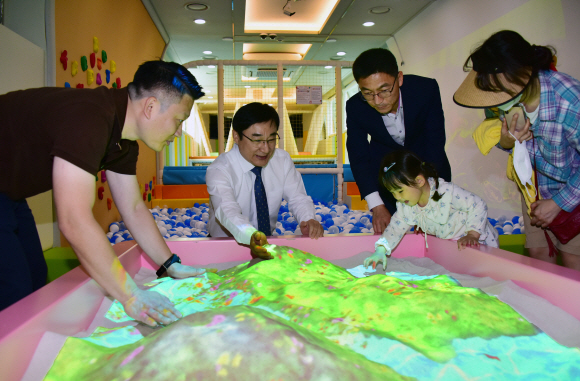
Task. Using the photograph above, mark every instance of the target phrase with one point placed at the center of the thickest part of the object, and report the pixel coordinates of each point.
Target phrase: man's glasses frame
(270, 142)
(383, 94)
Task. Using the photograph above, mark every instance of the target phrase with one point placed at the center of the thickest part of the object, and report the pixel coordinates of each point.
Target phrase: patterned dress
(456, 213)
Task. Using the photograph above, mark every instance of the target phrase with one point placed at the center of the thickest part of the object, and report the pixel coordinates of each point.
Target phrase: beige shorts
(535, 236)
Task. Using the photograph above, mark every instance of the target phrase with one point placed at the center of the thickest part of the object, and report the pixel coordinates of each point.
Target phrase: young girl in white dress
(433, 205)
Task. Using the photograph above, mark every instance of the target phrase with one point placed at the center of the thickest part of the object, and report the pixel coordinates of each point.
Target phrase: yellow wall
(126, 32)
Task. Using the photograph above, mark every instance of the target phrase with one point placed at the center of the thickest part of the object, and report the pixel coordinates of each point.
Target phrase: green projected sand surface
(300, 317)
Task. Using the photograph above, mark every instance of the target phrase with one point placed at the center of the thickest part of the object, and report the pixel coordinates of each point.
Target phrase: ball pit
(335, 219)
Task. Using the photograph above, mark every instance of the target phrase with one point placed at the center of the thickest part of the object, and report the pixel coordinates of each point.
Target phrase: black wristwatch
(173, 259)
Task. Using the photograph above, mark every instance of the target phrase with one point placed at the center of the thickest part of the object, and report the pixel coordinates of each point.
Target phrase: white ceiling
(226, 18)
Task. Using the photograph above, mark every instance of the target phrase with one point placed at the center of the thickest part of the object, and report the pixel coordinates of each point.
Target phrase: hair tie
(389, 167)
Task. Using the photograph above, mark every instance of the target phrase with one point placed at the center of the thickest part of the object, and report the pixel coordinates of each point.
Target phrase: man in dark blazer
(395, 116)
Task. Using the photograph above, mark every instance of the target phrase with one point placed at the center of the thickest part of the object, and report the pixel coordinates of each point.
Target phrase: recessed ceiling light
(379, 10)
(368, 23)
(335, 58)
(331, 40)
(196, 7)
(209, 57)
(270, 104)
(328, 67)
(247, 87)
(209, 97)
(227, 39)
(211, 66)
(199, 21)
(207, 52)
(341, 53)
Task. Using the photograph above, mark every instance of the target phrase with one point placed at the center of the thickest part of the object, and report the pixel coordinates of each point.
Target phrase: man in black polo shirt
(58, 138)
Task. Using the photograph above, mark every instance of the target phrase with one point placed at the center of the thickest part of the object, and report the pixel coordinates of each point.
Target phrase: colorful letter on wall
(108, 75)
(90, 77)
(93, 59)
(64, 59)
(100, 192)
(99, 63)
(74, 68)
(84, 65)
(95, 44)
(80, 86)
(99, 79)
(113, 66)
(118, 80)
(109, 203)
(104, 56)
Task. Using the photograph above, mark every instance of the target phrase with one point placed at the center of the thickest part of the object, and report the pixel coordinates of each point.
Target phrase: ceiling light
(328, 67)
(379, 10)
(341, 53)
(211, 66)
(199, 21)
(209, 97)
(207, 52)
(368, 23)
(247, 86)
(270, 104)
(331, 40)
(227, 39)
(335, 58)
(196, 7)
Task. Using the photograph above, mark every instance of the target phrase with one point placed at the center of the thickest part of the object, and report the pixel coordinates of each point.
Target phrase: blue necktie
(261, 203)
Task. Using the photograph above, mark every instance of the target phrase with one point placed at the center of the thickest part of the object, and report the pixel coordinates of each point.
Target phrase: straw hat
(468, 95)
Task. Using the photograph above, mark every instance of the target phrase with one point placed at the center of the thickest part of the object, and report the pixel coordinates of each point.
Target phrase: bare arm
(136, 215)
(74, 194)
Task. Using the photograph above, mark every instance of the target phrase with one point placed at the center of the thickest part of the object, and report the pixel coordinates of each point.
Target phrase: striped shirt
(557, 139)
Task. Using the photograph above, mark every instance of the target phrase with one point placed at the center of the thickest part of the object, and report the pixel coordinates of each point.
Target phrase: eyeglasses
(270, 142)
(369, 96)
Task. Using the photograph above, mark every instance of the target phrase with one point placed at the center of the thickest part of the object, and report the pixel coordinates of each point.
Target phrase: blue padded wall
(184, 175)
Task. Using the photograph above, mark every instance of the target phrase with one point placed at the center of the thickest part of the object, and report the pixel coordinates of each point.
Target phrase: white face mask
(510, 104)
(522, 164)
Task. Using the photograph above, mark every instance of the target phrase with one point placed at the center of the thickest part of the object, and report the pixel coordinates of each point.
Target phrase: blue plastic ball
(517, 231)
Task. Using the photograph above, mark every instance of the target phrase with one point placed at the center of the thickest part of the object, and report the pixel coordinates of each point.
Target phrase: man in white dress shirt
(246, 185)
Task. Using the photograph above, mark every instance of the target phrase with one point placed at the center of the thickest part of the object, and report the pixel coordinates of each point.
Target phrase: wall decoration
(109, 203)
(74, 68)
(103, 176)
(100, 192)
(114, 85)
(118, 80)
(113, 66)
(99, 82)
(99, 63)
(90, 77)
(84, 65)
(80, 86)
(108, 75)
(104, 56)
(66, 84)
(93, 59)
(95, 44)
(64, 59)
